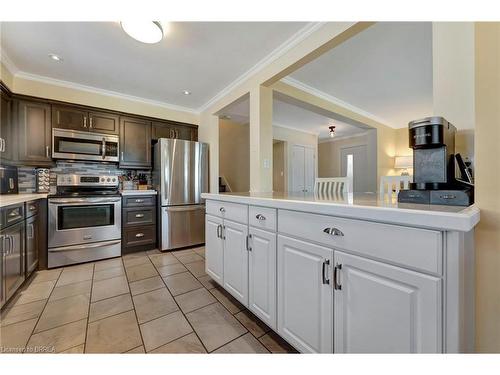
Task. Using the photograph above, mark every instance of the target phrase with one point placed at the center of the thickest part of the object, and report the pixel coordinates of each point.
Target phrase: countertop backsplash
(27, 180)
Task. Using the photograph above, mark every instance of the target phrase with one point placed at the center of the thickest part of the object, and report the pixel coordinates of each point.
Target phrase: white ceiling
(386, 71)
(294, 116)
(202, 57)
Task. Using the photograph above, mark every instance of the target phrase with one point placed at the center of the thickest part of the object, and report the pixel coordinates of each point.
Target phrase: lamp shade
(403, 162)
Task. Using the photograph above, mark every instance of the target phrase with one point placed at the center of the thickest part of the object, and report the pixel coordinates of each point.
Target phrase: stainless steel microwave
(81, 145)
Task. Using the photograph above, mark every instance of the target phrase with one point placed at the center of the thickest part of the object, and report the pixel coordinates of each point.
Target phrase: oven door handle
(84, 246)
(88, 200)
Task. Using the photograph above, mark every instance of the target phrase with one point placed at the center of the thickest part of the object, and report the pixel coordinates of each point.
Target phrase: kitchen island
(347, 274)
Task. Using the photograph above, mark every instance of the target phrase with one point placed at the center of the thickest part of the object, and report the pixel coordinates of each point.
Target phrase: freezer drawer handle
(139, 235)
(260, 217)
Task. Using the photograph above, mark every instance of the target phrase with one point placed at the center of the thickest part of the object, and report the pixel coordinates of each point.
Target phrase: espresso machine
(433, 142)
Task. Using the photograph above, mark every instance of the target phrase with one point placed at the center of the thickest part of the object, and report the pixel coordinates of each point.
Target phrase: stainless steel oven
(80, 145)
(84, 221)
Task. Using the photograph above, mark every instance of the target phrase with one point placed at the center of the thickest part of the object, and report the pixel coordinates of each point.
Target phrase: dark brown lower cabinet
(33, 240)
(138, 223)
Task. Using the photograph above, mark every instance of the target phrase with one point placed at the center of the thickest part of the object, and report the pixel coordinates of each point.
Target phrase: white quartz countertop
(138, 192)
(8, 199)
(364, 206)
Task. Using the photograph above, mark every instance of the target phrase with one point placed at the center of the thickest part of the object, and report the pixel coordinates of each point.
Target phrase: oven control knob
(109, 179)
(114, 179)
(102, 179)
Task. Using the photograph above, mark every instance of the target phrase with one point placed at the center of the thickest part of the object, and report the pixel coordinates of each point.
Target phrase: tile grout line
(88, 312)
(184, 315)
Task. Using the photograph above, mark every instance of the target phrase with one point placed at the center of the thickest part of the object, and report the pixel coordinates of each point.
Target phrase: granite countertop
(365, 206)
(8, 199)
(138, 192)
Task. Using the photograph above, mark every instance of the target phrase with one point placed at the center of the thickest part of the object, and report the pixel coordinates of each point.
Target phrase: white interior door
(236, 260)
(385, 309)
(214, 245)
(309, 169)
(262, 275)
(303, 167)
(361, 175)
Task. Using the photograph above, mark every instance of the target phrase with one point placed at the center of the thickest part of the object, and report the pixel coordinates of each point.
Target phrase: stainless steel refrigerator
(180, 175)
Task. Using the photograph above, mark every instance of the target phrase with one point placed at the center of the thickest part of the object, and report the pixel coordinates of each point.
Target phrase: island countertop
(363, 206)
(8, 199)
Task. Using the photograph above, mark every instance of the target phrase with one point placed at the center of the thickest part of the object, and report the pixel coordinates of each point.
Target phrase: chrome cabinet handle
(249, 248)
(333, 232)
(2, 147)
(85, 122)
(222, 232)
(103, 152)
(47, 151)
(90, 118)
(326, 262)
(139, 235)
(219, 231)
(222, 209)
(32, 208)
(260, 217)
(139, 200)
(139, 215)
(176, 133)
(122, 155)
(336, 277)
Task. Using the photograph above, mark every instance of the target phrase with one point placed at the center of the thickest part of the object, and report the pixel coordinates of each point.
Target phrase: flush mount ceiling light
(144, 31)
(225, 117)
(186, 92)
(55, 57)
(332, 131)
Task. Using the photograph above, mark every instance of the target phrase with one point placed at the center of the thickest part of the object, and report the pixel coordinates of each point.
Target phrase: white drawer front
(262, 217)
(231, 211)
(415, 248)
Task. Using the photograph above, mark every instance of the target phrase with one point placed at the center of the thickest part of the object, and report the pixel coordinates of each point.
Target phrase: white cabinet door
(305, 295)
(214, 248)
(385, 309)
(262, 275)
(236, 260)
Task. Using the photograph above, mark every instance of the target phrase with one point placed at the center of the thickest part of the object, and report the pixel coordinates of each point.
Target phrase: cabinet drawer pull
(139, 215)
(122, 155)
(333, 232)
(222, 209)
(32, 208)
(139, 200)
(326, 262)
(47, 151)
(336, 277)
(139, 235)
(260, 217)
(85, 122)
(90, 118)
(249, 248)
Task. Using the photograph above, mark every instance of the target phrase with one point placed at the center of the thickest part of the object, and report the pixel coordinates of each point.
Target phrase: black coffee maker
(433, 142)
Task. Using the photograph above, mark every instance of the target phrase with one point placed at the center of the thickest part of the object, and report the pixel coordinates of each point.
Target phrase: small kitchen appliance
(433, 142)
(8, 180)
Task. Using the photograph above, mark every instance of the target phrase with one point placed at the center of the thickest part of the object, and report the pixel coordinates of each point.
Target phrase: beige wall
(234, 154)
(279, 159)
(487, 142)
(137, 106)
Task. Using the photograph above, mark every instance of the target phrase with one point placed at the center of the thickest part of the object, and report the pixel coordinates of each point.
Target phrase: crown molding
(291, 42)
(294, 129)
(337, 138)
(96, 90)
(8, 63)
(323, 95)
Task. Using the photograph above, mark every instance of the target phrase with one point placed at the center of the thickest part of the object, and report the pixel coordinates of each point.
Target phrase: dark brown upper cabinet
(33, 133)
(167, 129)
(75, 118)
(6, 130)
(135, 143)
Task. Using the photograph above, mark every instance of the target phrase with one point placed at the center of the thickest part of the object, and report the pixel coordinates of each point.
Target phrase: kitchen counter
(138, 192)
(8, 199)
(364, 206)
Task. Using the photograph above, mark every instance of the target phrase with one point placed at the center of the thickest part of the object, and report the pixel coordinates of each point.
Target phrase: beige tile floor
(148, 302)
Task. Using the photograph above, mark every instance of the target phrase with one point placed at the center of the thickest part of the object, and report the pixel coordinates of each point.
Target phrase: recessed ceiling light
(55, 57)
(144, 31)
(186, 92)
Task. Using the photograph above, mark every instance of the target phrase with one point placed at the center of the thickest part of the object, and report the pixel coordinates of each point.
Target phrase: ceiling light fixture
(144, 31)
(332, 131)
(55, 57)
(186, 92)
